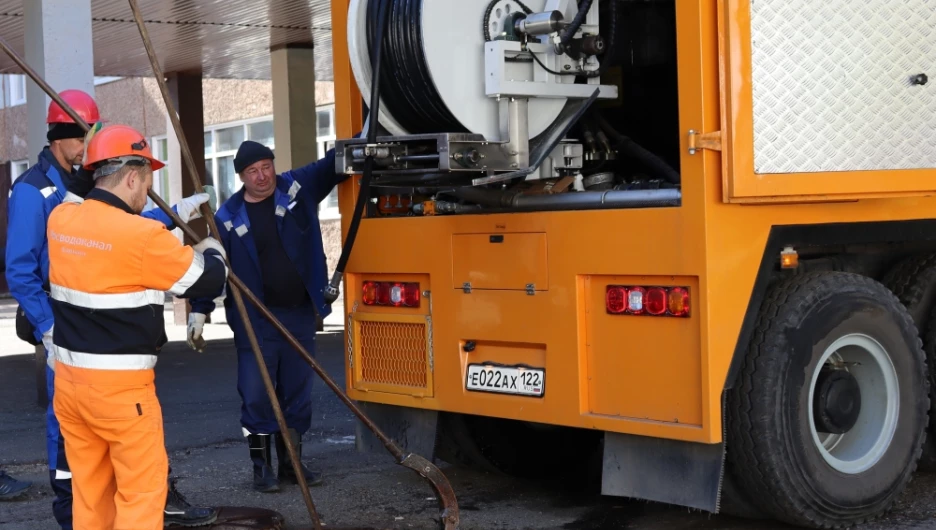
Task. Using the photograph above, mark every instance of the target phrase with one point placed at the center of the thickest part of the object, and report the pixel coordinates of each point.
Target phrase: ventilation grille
(393, 354)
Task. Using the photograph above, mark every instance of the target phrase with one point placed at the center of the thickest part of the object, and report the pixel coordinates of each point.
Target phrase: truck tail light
(394, 294)
(651, 301)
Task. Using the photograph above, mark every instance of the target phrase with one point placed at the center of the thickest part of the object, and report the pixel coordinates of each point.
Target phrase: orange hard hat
(80, 101)
(116, 141)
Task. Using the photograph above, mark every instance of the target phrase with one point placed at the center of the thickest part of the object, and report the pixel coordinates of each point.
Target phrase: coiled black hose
(330, 292)
(407, 88)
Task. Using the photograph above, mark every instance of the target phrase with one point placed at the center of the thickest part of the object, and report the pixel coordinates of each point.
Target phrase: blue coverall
(35, 193)
(297, 196)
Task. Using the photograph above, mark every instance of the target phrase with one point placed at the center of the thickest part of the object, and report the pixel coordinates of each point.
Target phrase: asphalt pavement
(210, 458)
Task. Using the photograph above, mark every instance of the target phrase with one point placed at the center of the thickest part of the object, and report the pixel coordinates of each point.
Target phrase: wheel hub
(837, 401)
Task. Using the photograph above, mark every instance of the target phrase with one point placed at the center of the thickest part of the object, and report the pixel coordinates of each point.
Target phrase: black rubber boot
(261, 455)
(10, 488)
(179, 512)
(286, 472)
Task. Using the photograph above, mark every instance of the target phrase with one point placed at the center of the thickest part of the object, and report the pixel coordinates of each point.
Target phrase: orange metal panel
(718, 243)
(742, 183)
(639, 366)
(500, 261)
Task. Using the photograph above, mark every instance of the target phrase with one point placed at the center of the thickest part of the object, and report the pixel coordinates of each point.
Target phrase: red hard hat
(115, 141)
(83, 104)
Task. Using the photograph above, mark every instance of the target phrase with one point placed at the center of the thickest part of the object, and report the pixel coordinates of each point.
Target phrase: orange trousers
(112, 424)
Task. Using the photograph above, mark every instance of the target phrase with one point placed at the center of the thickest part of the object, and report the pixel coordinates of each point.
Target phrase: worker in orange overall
(109, 269)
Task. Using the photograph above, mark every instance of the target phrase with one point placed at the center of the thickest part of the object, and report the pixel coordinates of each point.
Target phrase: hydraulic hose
(569, 31)
(632, 148)
(331, 290)
(583, 200)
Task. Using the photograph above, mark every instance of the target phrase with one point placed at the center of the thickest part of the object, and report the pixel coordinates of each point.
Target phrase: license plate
(517, 380)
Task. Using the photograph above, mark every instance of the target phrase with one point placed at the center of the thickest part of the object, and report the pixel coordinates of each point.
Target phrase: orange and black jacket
(108, 272)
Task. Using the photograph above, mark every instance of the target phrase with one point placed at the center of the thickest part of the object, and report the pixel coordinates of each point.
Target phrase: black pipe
(628, 146)
(330, 292)
(582, 200)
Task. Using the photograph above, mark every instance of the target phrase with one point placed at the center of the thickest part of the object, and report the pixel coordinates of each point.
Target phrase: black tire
(734, 502)
(778, 463)
(913, 281)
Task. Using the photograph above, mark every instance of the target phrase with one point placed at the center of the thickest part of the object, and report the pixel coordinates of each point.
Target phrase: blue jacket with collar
(297, 196)
(33, 196)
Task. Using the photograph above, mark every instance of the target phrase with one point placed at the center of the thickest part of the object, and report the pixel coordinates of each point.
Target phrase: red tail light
(411, 295)
(616, 299)
(394, 294)
(383, 293)
(652, 301)
(656, 301)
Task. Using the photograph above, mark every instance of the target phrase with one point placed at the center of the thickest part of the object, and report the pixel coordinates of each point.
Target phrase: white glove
(188, 207)
(196, 322)
(210, 242)
(47, 340)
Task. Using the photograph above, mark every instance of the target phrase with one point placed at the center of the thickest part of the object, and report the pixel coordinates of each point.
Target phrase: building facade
(234, 110)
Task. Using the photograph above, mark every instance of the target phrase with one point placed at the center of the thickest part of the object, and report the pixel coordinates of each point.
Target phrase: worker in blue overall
(35, 193)
(270, 231)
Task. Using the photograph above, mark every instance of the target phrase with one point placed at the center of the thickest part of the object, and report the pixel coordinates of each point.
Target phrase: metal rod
(206, 212)
(447, 499)
(43, 85)
(238, 299)
(433, 474)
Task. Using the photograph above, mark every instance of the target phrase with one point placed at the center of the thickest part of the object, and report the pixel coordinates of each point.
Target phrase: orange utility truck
(686, 244)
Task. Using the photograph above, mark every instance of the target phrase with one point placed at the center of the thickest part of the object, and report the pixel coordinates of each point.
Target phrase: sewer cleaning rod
(425, 468)
(206, 212)
(429, 471)
(236, 287)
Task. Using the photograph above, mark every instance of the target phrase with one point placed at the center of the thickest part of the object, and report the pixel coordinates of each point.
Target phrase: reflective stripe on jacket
(33, 197)
(297, 197)
(108, 270)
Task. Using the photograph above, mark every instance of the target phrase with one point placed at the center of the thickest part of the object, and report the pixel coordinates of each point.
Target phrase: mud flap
(414, 430)
(668, 471)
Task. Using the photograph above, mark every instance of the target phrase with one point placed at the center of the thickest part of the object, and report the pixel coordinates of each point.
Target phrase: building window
(17, 84)
(325, 123)
(160, 147)
(18, 167)
(222, 141)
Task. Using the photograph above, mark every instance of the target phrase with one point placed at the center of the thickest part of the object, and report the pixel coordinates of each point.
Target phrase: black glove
(81, 182)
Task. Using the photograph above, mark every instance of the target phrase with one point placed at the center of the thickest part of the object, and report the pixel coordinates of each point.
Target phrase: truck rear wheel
(913, 281)
(828, 418)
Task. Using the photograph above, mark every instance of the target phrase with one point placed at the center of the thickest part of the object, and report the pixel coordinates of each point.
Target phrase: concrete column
(185, 89)
(294, 125)
(59, 47)
(294, 119)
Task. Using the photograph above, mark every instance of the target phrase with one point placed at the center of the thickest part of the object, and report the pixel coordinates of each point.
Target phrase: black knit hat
(251, 152)
(61, 131)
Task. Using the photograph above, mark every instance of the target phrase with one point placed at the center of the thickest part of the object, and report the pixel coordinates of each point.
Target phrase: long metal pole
(428, 470)
(206, 212)
(236, 290)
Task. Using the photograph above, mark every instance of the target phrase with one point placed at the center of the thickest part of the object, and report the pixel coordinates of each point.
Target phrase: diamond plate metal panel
(831, 85)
